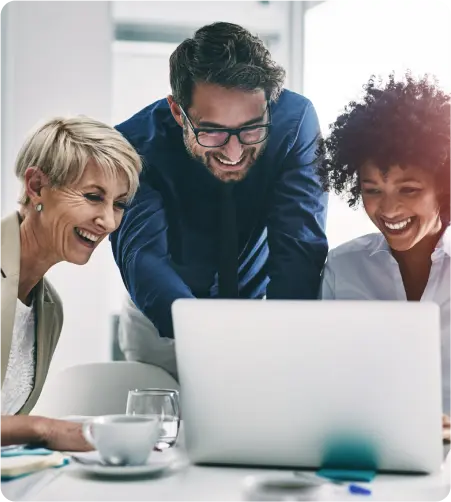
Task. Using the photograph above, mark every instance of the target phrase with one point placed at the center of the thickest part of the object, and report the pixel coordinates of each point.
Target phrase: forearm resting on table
(41, 431)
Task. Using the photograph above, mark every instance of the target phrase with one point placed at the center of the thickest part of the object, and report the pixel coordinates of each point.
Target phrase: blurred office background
(110, 59)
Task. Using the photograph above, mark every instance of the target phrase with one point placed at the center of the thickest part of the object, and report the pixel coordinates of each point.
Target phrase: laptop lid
(303, 383)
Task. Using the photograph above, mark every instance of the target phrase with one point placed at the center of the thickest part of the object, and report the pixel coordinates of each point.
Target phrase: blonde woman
(78, 174)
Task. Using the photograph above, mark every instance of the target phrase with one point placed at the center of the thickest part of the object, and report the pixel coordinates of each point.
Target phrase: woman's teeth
(87, 235)
(398, 226)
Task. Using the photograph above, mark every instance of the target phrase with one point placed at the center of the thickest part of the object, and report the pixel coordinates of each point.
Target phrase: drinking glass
(163, 403)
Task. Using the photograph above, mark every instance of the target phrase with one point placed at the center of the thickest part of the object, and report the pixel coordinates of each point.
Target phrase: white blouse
(365, 269)
(19, 377)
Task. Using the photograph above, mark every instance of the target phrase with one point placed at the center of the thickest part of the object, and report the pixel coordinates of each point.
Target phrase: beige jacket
(48, 310)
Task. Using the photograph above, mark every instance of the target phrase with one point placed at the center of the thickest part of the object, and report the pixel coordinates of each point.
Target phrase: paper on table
(22, 465)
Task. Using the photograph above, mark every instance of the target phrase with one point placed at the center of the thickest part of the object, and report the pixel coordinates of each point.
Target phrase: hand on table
(64, 435)
(50, 433)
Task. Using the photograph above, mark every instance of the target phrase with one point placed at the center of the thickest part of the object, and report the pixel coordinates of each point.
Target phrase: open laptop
(311, 383)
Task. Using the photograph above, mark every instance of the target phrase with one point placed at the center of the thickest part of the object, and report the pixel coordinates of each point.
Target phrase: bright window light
(348, 41)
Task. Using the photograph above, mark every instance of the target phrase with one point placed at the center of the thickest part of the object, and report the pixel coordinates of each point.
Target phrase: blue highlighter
(359, 490)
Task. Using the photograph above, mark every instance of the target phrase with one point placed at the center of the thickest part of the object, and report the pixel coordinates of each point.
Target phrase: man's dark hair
(227, 55)
(402, 123)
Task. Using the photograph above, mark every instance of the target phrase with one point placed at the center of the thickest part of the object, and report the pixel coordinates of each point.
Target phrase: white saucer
(91, 463)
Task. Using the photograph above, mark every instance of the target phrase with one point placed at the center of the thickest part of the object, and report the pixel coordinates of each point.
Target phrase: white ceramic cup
(123, 439)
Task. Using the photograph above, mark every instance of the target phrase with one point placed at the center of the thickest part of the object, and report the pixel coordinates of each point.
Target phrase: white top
(365, 269)
(19, 377)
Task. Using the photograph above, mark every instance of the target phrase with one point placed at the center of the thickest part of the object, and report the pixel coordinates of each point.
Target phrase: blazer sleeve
(297, 217)
(140, 248)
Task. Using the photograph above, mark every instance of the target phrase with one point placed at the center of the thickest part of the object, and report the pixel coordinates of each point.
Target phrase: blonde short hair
(62, 147)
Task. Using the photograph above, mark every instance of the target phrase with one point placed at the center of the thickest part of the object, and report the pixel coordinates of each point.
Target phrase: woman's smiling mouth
(87, 238)
(398, 227)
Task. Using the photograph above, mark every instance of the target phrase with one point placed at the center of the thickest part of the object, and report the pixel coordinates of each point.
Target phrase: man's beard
(224, 176)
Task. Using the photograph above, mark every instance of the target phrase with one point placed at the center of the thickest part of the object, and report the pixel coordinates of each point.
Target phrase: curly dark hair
(404, 122)
(225, 54)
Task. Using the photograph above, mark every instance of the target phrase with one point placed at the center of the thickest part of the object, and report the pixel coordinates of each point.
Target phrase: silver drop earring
(39, 207)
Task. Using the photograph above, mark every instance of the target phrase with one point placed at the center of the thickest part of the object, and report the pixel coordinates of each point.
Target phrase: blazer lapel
(10, 268)
(44, 315)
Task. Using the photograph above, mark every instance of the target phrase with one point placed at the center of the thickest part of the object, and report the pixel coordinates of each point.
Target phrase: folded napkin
(20, 462)
(21, 450)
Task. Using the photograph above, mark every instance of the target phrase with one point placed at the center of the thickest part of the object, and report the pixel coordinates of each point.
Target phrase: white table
(198, 483)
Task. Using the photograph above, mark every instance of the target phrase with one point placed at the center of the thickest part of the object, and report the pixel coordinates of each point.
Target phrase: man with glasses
(229, 205)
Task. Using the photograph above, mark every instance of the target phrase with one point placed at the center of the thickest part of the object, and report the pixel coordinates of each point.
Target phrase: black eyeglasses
(213, 138)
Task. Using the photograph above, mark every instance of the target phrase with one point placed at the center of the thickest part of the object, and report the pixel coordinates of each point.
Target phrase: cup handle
(87, 433)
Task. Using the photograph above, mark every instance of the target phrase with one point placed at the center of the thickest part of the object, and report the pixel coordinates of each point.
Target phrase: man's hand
(446, 428)
(50, 433)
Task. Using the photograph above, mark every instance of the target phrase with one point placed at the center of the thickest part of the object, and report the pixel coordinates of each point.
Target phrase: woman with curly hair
(392, 151)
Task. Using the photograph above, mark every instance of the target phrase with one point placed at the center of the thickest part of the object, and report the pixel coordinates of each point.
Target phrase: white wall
(140, 76)
(260, 18)
(3, 54)
(179, 20)
(57, 60)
